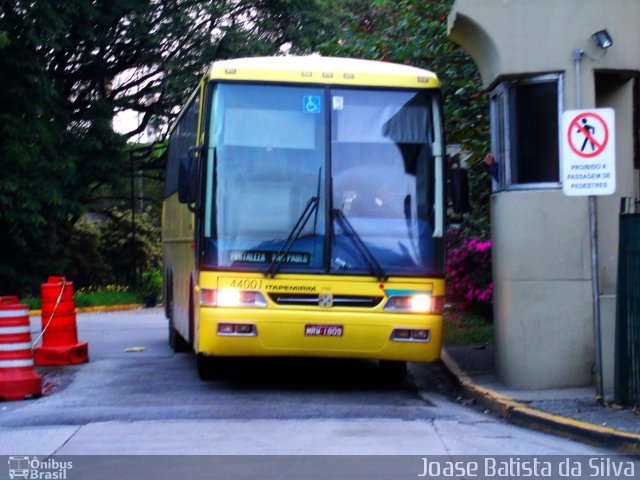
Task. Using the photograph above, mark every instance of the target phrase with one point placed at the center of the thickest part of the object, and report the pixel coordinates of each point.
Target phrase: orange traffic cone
(60, 344)
(18, 379)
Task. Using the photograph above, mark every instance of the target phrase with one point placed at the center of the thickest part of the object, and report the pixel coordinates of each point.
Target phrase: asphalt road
(136, 397)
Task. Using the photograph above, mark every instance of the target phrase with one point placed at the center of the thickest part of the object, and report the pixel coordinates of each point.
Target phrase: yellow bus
(304, 211)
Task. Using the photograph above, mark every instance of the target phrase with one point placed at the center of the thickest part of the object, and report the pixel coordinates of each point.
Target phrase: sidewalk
(570, 412)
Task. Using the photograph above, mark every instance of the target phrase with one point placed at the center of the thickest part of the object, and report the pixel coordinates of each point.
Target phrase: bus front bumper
(318, 334)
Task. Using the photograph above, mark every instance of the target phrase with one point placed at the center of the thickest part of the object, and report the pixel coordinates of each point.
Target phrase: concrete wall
(542, 270)
(526, 36)
(542, 316)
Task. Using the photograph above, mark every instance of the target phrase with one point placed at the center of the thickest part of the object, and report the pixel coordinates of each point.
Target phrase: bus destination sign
(265, 256)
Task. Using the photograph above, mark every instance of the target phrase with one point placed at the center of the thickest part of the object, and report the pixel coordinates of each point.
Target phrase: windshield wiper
(374, 265)
(303, 219)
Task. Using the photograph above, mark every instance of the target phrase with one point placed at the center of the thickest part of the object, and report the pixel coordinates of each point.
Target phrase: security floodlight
(602, 39)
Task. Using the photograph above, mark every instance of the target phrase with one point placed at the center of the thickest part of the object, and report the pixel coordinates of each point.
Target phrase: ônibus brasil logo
(36, 469)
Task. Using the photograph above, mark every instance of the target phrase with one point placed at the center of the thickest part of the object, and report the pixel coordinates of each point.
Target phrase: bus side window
(187, 178)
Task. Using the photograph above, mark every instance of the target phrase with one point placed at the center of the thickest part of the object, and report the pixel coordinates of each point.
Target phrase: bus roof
(322, 70)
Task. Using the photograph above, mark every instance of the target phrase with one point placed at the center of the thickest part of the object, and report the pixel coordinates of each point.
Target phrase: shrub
(130, 248)
(150, 286)
(108, 249)
(94, 297)
(469, 281)
(86, 263)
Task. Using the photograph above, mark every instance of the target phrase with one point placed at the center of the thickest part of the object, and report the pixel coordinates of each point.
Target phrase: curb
(518, 413)
(103, 308)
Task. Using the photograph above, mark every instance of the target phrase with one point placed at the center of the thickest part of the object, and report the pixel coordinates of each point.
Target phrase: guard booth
(538, 60)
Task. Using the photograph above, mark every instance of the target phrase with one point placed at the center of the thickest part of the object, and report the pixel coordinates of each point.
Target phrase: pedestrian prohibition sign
(588, 152)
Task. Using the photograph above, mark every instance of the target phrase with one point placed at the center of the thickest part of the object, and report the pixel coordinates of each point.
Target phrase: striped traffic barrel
(18, 379)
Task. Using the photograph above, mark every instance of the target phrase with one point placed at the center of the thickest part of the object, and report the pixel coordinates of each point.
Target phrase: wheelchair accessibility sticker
(311, 103)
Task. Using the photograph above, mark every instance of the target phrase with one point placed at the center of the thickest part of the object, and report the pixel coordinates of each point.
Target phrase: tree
(67, 67)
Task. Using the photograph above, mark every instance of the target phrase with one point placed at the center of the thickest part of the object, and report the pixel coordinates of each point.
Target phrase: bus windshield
(363, 158)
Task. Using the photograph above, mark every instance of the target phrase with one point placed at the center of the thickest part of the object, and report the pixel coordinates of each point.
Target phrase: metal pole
(140, 191)
(595, 277)
(595, 286)
(134, 268)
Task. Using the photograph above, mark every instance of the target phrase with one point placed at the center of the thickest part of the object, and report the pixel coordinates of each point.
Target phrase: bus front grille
(352, 301)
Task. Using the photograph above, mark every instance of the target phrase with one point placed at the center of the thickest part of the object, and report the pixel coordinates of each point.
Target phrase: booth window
(525, 132)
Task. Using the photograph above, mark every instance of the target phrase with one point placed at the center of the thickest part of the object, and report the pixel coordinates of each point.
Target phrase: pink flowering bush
(469, 282)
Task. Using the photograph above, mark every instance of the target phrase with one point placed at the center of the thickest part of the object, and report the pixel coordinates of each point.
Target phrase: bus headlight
(418, 303)
(231, 297)
(421, 303)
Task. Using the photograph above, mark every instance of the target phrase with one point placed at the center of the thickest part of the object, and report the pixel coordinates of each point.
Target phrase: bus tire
(209, 368)
(392, 371)
(176, 342)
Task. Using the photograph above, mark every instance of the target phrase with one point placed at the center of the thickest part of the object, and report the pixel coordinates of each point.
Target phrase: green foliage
(150, 284)
(108, 250)
(34, 303)
(106, 298)
(106, 295)
(87, 263)
(130, 247)
(95, 297)
(464, 328)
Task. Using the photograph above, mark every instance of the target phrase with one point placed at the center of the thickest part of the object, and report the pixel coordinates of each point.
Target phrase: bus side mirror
(187, 178)
(460, 190)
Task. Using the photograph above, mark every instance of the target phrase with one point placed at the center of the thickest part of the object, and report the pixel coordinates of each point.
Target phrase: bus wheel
(176, 342)
(209, 368)
(392, 371)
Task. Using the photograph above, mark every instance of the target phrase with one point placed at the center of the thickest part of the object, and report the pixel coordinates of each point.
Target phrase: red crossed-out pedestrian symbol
(588, 135)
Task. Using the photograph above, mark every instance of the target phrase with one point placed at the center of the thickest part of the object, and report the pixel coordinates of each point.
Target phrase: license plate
(323, 330)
